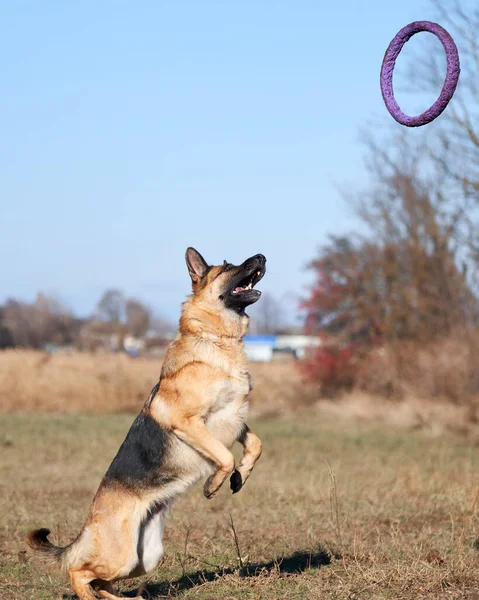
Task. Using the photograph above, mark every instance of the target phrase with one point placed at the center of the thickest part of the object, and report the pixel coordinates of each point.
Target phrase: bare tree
(409, 213)
(138, 317)
(267, 315)
(15, 319)
(161, 326)
(111, 307)
(452, 150)
(6, 337)
(33, 325)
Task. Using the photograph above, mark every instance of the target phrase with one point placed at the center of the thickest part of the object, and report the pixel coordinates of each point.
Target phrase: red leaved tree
(344, 309)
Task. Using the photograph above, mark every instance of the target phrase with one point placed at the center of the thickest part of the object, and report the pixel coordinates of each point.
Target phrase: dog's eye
(226, 267)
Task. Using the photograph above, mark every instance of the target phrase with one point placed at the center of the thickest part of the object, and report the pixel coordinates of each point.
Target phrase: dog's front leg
(196, 435)
(252, 451)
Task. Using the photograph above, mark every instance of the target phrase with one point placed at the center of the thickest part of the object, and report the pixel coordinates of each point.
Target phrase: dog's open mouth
(247, 283)
(240, 291)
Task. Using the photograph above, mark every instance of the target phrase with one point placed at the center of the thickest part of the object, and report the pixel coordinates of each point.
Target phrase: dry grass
(32, 381)
(410, 413)
(330, 512)
(445, 370)
(107, 383)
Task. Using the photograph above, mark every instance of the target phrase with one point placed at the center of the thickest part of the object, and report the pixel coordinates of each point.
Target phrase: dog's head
(226, 286)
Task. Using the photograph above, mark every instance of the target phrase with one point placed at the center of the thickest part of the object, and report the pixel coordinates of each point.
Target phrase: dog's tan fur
(201, 404)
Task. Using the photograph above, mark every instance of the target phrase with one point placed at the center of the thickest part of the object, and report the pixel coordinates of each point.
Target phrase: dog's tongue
(239, 289)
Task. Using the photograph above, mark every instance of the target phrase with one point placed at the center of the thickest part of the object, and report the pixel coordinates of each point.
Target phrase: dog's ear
(197, 265)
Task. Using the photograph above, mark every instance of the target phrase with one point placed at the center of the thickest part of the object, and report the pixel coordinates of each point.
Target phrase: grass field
(398, 517)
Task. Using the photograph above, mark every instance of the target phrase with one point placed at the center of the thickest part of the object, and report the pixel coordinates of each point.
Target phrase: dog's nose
(251, 263)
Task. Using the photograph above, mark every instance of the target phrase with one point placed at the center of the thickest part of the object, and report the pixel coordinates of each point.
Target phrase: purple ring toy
(450, 83)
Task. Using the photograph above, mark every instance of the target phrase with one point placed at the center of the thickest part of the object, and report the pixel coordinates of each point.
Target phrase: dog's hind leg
(107, 591)
(80, 582)
(252, 451)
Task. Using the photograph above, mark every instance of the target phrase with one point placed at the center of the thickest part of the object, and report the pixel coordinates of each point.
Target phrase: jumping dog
(184, 432)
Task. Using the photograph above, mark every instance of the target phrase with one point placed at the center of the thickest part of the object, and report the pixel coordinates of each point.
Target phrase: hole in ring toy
(387, 69)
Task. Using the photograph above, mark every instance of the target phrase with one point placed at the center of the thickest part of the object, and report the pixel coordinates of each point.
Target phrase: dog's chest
(231, 389)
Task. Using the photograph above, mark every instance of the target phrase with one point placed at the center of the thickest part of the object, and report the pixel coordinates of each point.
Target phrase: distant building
(259, 347)
(133, 345)
(296, 344)
(265, 348)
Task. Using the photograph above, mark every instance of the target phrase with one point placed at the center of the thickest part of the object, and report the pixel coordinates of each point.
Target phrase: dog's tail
(40, 544)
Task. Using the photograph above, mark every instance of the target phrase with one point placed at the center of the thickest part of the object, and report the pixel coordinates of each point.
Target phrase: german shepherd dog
(193, 415)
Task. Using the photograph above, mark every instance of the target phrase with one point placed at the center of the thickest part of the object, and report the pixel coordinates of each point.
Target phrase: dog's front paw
(236, 481)
(208, 490)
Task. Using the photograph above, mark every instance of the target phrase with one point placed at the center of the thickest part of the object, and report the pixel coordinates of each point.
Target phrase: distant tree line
(48, 321)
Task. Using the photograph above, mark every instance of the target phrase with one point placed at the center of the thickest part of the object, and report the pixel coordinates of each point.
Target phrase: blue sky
(131, 130)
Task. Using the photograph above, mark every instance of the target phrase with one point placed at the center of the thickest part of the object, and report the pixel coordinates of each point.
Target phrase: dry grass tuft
(32, 381)
(77, 382)
(445, 370)
(411, 413)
